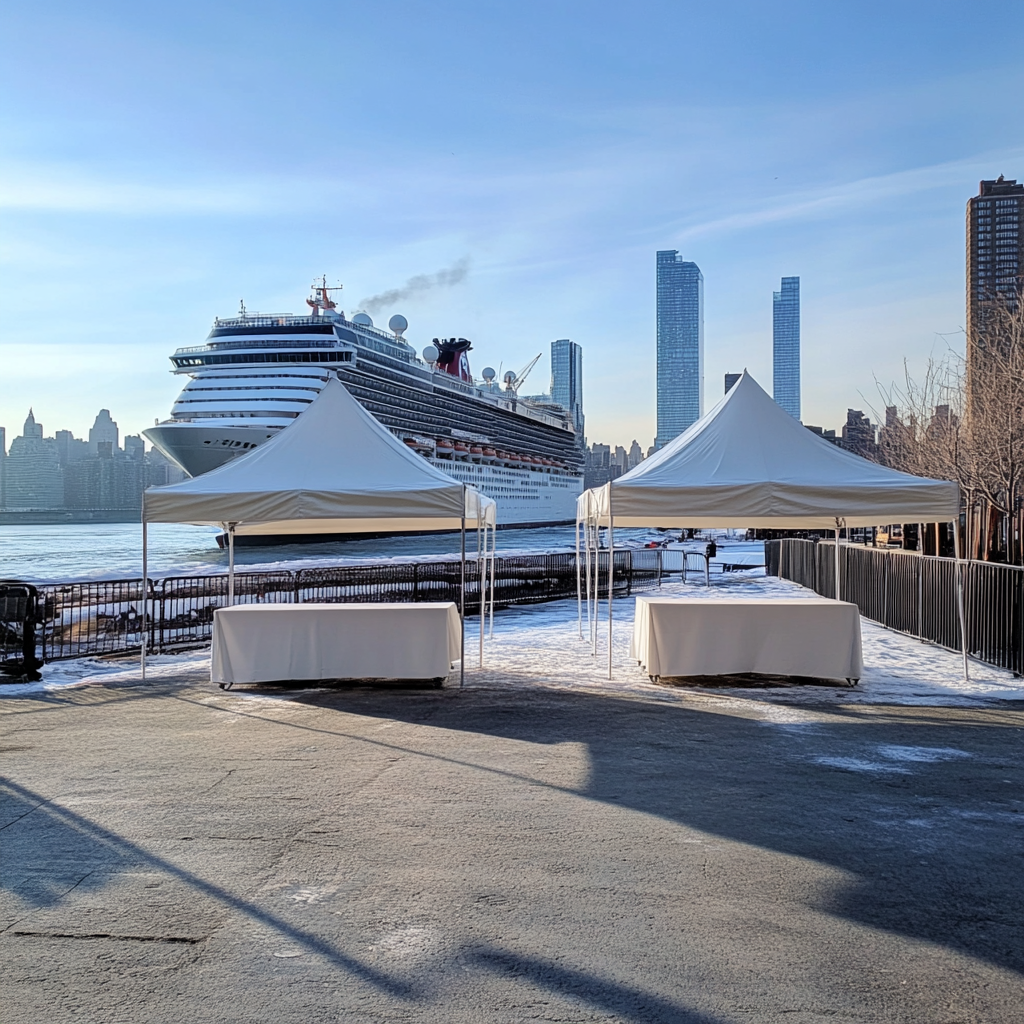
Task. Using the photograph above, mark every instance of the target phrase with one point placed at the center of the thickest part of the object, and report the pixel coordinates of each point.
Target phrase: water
(59, 553)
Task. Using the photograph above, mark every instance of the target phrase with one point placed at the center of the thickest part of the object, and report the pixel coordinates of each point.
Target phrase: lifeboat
(489, 455)
(514, 457)
(445, 447)
(476, 451)
(461, 450)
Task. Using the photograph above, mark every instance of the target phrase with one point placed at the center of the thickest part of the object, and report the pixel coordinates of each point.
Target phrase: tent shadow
(933, 845)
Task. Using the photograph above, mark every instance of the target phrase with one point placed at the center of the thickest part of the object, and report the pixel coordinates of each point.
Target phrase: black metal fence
(916, 594)
(72, 620)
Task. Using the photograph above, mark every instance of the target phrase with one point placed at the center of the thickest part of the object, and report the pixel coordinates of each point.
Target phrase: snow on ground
(539, 646)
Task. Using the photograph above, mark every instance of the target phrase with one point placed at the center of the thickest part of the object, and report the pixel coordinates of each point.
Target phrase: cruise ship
(256, 372)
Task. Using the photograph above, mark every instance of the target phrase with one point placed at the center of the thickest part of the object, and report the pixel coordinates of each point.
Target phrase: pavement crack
(230, 772)
(189, 940)
(14, 821)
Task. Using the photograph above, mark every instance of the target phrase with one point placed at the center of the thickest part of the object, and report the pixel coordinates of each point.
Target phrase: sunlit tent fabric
(334, 470)
(748, 463)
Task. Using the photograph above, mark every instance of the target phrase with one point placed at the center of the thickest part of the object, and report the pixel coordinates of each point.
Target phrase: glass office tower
(680, 345)
(786, 346)
(567, 380)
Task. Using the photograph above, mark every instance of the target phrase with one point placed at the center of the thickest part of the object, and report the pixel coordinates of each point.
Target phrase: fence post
(157, 622)
(920, 597)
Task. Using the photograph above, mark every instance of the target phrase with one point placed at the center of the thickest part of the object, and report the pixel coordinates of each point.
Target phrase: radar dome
(363, 319)
(489, 374)
(398, 324)
(509, 376)
(430, 353)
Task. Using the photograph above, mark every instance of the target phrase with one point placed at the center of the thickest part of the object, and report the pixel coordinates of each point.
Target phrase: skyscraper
(995, 260)
(786, 346)
(680, 345)
(567, 380)
(32, 474)
(730, 380)
(103, 429)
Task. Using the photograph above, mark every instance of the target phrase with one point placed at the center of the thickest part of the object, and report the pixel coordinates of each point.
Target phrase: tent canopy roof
(748, 463)
(335, 469)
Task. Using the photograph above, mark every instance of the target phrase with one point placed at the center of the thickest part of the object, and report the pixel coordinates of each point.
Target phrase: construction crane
(514, 381)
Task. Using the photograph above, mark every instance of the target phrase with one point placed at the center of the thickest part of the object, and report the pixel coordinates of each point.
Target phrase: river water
(60, 553)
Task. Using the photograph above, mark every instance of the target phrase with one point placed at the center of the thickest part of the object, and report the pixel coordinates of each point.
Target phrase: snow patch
(859, 764)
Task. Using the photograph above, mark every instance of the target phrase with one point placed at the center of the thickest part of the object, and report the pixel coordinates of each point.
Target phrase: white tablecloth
(271, 642)
(698, 637)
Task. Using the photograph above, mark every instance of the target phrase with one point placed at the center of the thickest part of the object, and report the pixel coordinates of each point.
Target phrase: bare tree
(964, 421)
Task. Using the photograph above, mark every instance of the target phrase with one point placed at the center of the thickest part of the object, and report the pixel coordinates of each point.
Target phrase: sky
(160, 163)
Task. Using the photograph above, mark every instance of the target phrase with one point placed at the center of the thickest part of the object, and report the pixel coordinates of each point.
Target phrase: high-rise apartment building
(995, 260)
(680, 315)
(103, 429)
(32, 473)
(567, 380)
(786, 346)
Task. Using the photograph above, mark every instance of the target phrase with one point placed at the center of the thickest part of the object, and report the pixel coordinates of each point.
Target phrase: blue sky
(157, 164)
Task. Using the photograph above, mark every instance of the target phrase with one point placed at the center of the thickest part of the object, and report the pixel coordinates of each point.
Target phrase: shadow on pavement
(924, 811)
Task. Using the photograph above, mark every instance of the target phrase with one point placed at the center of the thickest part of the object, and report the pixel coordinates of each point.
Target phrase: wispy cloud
(810, 204)
(70, 190)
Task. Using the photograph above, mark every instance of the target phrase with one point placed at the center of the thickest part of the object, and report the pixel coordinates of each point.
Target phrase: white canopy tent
(334, 470)
(748, 463)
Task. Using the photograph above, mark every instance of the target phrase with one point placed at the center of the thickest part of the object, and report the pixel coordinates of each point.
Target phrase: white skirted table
(811, 637)
(271, 643)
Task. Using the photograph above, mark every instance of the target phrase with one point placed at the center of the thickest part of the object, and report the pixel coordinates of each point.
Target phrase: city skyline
(814, 143)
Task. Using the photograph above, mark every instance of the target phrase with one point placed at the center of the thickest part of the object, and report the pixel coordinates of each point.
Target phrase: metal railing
(74, 620)
(916, 594)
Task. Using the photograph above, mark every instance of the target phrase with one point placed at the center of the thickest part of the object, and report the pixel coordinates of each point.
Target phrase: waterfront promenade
(541, 845)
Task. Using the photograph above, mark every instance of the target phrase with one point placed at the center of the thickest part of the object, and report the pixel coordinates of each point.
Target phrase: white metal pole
(481, 569)
(960, 595)
(231, 564)
(145, 587)
(611, 581)
(593, 573)
(494, 569)
(579, 588)
(462, 600)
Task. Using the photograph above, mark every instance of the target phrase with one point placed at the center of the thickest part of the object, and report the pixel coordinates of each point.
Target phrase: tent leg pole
(231, 564)
(494, 569)
(961, 611)
(611, 583)
(145, 592)
(462, 601)
(579, 588)
(481, 571)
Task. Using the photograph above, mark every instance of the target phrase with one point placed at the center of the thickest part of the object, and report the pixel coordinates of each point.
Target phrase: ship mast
(321, 299)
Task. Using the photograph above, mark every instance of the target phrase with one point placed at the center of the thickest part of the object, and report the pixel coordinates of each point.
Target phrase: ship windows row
(183, 362)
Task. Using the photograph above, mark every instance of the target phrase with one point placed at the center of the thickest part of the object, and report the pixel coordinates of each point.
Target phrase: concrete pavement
(174, 853)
